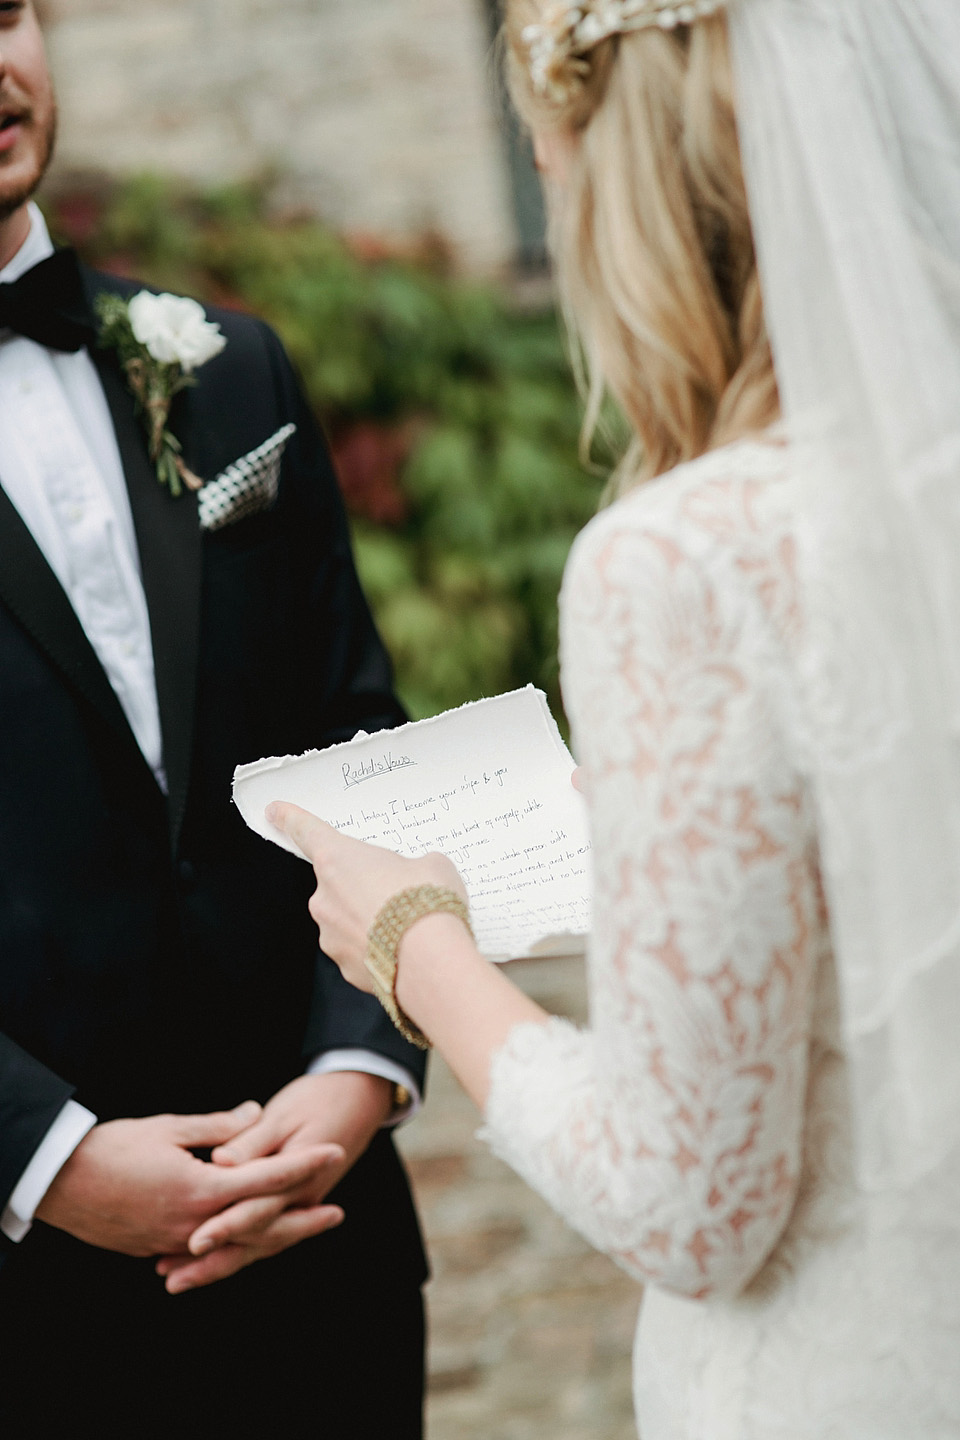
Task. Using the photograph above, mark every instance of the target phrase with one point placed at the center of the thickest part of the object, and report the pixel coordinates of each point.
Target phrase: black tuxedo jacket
(155, 955)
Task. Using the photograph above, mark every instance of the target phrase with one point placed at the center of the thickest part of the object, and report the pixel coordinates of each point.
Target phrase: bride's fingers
(307, 831)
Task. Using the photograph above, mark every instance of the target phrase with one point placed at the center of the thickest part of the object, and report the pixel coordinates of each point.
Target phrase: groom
(158, 966)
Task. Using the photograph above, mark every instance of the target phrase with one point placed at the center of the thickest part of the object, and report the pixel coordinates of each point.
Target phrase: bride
(761, 663)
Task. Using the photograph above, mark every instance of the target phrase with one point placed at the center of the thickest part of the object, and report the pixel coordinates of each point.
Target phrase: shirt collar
(35, 248)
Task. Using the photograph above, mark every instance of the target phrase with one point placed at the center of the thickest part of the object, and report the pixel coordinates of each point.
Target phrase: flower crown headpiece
(566, 32)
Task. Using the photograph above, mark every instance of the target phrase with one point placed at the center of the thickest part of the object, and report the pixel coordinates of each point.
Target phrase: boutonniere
(160, 341)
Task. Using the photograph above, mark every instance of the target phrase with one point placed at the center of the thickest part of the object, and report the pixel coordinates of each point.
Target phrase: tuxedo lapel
(34, 595)
(169, 542)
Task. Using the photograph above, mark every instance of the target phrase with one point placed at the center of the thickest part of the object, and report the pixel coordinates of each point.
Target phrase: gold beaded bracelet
(391, 923)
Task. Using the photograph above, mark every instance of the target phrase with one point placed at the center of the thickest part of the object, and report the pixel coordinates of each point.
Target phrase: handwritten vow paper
(488, 784)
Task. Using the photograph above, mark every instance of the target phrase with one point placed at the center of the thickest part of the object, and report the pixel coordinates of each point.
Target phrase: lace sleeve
(669, 1134)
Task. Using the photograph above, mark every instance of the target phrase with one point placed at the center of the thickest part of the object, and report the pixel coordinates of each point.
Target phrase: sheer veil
(849, 114)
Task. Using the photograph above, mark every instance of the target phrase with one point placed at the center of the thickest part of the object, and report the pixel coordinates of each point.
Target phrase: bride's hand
(353, 881)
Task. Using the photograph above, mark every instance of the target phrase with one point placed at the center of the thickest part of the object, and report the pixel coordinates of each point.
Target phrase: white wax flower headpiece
(566, 33)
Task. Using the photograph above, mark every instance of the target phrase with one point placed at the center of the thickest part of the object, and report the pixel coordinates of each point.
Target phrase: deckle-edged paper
(487, 784)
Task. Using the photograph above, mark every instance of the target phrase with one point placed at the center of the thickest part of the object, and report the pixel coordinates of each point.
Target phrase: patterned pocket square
(248, 485)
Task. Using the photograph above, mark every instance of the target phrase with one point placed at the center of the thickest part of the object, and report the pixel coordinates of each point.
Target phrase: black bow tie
(49, 304)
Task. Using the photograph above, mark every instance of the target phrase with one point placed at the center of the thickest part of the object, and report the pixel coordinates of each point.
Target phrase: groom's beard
(14, 194)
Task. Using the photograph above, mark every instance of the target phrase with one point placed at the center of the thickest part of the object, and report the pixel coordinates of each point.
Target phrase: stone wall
(378, 113)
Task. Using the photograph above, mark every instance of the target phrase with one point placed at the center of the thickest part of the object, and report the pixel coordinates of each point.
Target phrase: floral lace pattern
(699, 1132)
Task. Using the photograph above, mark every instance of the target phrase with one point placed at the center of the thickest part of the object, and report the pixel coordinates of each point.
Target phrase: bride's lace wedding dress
(700, 1132)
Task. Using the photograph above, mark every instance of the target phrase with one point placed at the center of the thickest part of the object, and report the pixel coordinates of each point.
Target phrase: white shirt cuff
(53, 1152)
(371, 1064)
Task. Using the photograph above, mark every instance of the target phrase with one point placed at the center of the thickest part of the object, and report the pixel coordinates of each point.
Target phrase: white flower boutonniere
(160, 341)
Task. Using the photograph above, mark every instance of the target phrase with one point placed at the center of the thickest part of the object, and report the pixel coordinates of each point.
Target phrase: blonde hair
(651, 238)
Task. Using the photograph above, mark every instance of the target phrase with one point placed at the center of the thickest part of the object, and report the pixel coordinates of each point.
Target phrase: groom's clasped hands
(139, 1187)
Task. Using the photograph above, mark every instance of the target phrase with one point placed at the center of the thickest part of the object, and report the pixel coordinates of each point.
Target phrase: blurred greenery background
(451, 412)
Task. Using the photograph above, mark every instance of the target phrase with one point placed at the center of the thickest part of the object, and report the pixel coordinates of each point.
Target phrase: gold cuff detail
(391, 923)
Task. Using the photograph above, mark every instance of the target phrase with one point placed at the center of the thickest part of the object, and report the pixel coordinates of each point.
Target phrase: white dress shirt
(60, 466)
